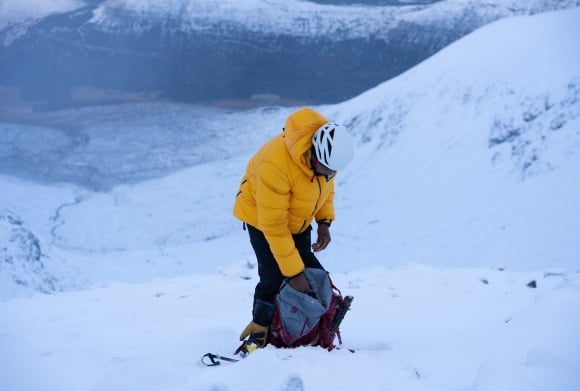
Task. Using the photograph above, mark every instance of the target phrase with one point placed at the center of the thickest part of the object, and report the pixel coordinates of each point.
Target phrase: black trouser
(271, 277)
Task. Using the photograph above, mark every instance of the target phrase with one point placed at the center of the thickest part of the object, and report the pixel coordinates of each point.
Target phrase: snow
(19, 14)
(464, 195)
(416, 328)
(23, 10)
(283, 17)
(308, 19)
(487, 183)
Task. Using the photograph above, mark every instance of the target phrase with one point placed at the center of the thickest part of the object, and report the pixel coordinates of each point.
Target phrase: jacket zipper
(316, 204)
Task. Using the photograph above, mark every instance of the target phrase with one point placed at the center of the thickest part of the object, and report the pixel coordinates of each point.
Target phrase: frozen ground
(413, 328)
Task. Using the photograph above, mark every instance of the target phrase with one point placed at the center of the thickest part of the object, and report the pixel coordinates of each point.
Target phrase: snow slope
(464, 191)
(413, 328)
(483, 140)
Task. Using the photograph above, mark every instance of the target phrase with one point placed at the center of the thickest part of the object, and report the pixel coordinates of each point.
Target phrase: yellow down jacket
(280, 195)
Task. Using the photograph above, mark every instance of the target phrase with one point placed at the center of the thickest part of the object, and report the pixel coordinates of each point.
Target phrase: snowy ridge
(290, 17)
(483, 123)
(24, 12)
(147, 48)
(508, 90)
(297, 18)
(306, 19)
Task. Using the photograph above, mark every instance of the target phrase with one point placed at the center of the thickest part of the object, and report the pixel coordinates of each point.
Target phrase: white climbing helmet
(333, 145)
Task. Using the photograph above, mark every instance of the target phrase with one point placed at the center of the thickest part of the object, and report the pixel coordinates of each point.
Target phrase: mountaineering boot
(256, 338)
(256, 331)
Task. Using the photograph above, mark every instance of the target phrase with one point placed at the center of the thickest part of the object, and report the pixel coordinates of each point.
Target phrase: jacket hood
(298, 131)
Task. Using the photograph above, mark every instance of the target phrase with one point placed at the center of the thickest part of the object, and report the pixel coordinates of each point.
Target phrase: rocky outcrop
(22, 262)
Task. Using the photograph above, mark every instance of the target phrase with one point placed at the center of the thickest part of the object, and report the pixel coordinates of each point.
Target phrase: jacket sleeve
(273, 202)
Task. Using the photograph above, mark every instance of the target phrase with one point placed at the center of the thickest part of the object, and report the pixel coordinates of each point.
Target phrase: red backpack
(309, 320)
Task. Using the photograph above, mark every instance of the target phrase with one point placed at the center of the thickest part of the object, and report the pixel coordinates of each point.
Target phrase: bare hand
(323, 238)
(300, 283)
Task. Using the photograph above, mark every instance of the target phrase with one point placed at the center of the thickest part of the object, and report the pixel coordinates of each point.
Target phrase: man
(288, 184)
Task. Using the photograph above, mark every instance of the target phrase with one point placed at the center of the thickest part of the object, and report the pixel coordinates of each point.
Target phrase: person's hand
(300, 283)
(323, 238)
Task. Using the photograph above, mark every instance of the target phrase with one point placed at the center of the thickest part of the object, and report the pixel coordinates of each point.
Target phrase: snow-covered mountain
(210, 50)
(502, 135)
(456, 233)
(470, 158)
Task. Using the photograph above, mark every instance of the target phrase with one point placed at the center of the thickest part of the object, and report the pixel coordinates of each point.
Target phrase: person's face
(320, 169)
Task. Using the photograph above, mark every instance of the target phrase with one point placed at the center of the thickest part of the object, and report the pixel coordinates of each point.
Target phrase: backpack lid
(301, 312)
